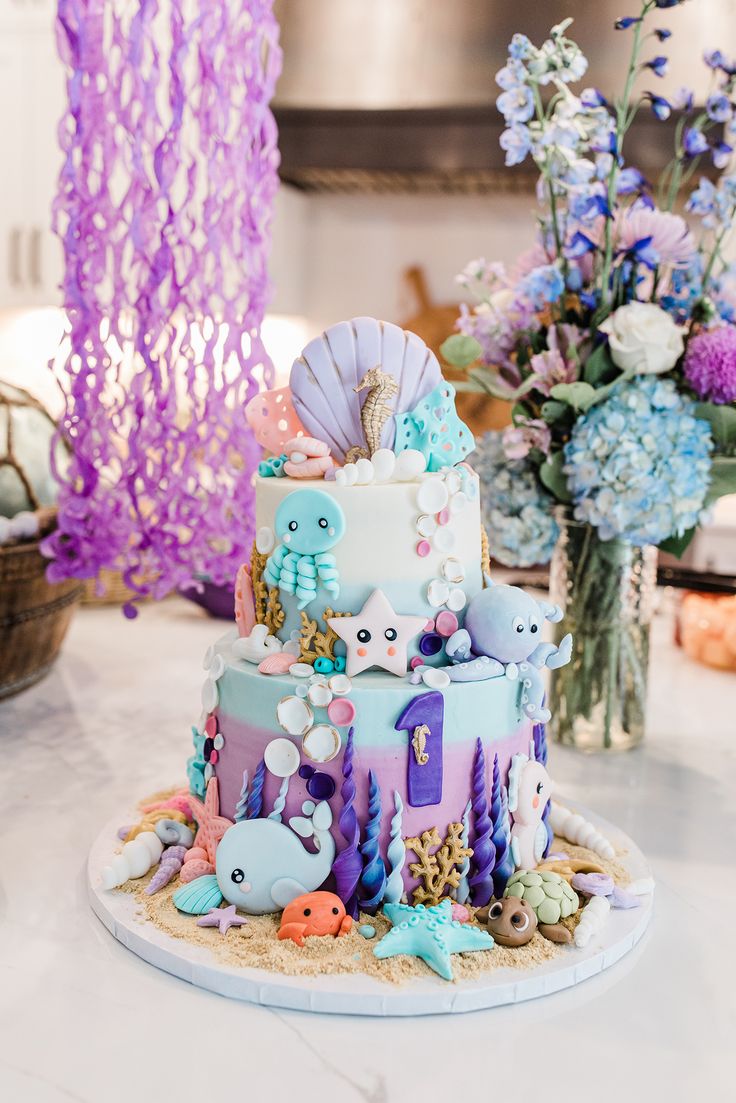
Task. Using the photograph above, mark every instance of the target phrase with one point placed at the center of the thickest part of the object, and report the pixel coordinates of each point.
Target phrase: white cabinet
(31, 102)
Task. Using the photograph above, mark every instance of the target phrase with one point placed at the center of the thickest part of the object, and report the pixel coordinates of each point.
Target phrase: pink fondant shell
(273, 419)
(310, 446)
(245, 610)
(313, 468)
(195, 853)
(278, 663)
(190, 871)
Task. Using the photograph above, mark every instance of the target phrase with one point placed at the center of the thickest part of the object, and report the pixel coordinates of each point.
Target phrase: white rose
(643, 339)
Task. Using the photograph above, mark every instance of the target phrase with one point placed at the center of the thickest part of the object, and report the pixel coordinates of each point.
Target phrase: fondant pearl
(384, 463)
(432, 495)
(435, 677)
(341, 711)
(423, 548)
(446, 623)
(219, 742)
(415, 662)
(443, 517)
(409, 464)
(321, 786)
(324, 665)
(281, 757)
(430, 644)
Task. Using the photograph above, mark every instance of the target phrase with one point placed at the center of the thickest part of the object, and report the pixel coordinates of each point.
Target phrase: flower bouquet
(614, 339)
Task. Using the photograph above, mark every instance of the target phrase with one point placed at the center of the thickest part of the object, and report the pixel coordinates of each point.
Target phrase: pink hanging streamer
(164, 209)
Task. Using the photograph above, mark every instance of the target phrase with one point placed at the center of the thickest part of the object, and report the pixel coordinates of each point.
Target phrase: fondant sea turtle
(551, 897)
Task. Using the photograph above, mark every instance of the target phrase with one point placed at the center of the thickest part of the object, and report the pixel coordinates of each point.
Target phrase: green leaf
(678, 545)
(460, 350)
(552, 411)
(599, 367)
(553, 477)
(578, 395)
(722, 478)
(722, 421)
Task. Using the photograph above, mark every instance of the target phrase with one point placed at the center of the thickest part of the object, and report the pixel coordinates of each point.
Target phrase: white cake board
(351, 994)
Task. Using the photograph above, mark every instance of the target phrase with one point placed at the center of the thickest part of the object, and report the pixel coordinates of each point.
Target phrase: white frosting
(382, 534)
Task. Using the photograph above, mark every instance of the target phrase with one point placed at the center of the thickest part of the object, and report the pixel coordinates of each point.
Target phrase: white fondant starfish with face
(377, 636)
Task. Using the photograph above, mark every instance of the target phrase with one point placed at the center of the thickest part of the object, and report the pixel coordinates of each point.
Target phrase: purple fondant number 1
(423, 719)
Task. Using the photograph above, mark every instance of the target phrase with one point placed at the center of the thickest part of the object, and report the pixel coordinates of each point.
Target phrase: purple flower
(654, 236)
(659, 105)
(694, 142)
(667, 3)
(683, 99)
(520, 47)
(719, 107)
(630, 181)
(658, 65)
(626, 22)
(543, 285)
(663, 34)
(518, 440)
(591, 98)
(516, 141)
(714, 59)
(710, 364)
(579, 245)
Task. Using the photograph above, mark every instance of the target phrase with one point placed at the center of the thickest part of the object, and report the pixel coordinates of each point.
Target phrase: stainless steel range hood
(399, 95)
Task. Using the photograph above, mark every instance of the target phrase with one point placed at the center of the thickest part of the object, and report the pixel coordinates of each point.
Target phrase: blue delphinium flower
(517, 513)
(658, 65)
(543, 285)
(719, 107)
(638, 464)
(660, 106)
(516, 142)
(694, 142)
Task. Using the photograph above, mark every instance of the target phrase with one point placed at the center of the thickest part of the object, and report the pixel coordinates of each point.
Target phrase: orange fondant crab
(315, 913)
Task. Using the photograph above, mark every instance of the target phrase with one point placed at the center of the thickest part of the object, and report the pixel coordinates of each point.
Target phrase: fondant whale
(261, 866)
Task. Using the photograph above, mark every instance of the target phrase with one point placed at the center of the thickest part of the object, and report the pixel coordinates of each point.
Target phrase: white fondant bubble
(432, 495)
(384, 464)
(456, 600)
(219, 741)
(340, 684)
(409, 464)
(210, 696)
(282, 757)
(458, 502)
(444, 538)
(209, 771)
(294, 715)
(427, 525)
(217, 667)
(435, 677)
(319, 695)
(321, 743)
(301, 691)
(208, 657)
(265, 540)
(301, 670)
(453, 482)
(437, 593)
(453, 570)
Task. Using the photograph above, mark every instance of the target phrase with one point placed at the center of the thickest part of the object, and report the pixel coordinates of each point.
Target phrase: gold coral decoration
(268, 608)
(439, 862)
(315, 644)
(485, 553)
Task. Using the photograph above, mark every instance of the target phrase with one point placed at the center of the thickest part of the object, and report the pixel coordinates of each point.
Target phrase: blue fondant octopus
(308, 523)
(503, 627)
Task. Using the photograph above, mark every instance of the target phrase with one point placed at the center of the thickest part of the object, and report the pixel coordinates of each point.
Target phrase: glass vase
(606, 591)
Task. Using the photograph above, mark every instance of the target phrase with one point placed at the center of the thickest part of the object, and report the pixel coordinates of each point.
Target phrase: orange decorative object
(273, 419)
(708, 629)
(211, 825)
(315, 913)
(245, 609)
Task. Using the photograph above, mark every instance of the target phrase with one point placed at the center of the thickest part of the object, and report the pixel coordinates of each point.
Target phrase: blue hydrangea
(517, 513)
(638, 464)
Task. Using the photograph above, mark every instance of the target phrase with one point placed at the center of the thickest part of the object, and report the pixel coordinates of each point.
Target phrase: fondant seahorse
(375, 412)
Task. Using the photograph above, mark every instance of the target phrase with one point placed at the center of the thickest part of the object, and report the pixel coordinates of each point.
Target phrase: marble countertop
(83, 1019)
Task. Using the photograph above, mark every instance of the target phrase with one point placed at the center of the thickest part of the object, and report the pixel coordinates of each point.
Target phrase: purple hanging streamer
(348, 865)
(163, 207)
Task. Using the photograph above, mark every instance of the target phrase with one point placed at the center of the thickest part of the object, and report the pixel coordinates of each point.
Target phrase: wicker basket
(34, 616)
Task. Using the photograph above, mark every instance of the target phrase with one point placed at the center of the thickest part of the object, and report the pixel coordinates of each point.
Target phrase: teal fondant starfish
(430, 934)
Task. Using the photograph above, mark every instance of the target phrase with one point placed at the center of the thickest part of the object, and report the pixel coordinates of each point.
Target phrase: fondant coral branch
(484, 853)
(373, 879)
(575, 829)
(266, 601)
(439, 862)
(315, 644)
(347, 866)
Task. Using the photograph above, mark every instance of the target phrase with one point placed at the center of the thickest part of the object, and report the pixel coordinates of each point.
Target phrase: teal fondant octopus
(308, 523)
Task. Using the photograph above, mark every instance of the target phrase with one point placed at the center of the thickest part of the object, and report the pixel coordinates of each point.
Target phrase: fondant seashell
(324, 380)
(190, 871)
(198, 897)
(134, 860)
(321, 743)
(294, 715)
(277, 664)
(273, 419)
